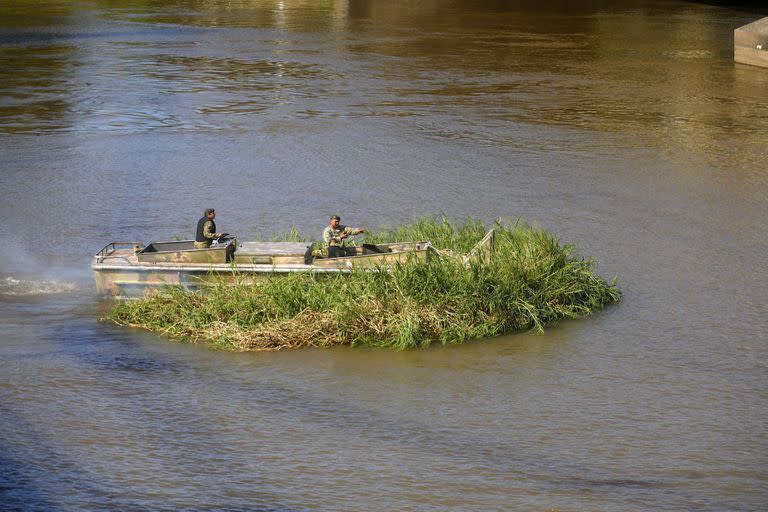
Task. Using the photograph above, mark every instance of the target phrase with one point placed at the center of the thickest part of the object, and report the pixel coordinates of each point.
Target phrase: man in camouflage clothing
(206, 230)
(334, 235)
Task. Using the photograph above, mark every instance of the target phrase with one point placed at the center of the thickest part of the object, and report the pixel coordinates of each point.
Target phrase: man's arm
(328, 236)
(353, 231)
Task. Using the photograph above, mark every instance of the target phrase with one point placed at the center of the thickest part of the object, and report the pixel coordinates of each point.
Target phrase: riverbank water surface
(622, 127)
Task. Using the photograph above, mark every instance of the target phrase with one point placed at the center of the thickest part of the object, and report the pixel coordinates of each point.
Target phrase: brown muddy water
(623, 127)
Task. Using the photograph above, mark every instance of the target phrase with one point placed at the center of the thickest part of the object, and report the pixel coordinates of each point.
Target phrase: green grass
(530, 281)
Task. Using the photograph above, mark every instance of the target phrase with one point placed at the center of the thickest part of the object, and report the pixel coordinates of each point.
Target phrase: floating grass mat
(529, 281)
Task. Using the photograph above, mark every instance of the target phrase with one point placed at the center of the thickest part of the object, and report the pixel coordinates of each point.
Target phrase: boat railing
(109, 249)
(482, 251)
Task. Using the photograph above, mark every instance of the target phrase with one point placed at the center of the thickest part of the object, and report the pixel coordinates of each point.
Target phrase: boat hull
(134, 281)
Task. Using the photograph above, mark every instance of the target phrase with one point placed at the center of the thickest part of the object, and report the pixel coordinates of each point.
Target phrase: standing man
(334, 235)
(206, 230)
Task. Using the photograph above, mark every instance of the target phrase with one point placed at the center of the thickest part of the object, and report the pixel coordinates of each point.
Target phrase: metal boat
(128, 269)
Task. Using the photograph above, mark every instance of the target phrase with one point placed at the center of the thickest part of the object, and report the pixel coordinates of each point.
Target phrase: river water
(623, 127)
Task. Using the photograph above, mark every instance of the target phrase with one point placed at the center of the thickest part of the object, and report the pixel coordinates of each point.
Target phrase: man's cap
(335, 217)
(209, 211)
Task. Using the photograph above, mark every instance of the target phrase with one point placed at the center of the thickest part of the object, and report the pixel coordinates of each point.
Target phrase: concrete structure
(750, 44)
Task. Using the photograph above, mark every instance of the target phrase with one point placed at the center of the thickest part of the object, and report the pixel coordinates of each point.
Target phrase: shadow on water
(17, 490)
(37, 37)
(26, 483)
(81, 412)
(252, 395)
(135, 382)
(306, 408)
(47, 37)
(38, 475)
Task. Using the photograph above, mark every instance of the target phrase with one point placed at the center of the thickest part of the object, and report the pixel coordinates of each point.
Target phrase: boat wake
(29, 287)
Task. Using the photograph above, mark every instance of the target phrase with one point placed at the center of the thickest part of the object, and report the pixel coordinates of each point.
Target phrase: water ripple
(29, 287)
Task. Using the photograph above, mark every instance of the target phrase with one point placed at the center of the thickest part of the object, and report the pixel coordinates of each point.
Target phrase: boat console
(184, 251)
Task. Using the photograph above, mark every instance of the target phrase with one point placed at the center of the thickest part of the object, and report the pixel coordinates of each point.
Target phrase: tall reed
(531, 280)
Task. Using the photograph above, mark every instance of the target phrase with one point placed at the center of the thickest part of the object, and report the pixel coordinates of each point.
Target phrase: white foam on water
(29, 287)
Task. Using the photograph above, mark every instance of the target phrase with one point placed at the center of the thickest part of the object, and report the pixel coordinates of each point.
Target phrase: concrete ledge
(750, 44)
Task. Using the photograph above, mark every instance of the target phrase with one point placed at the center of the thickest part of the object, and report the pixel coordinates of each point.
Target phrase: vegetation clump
(527, 281)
